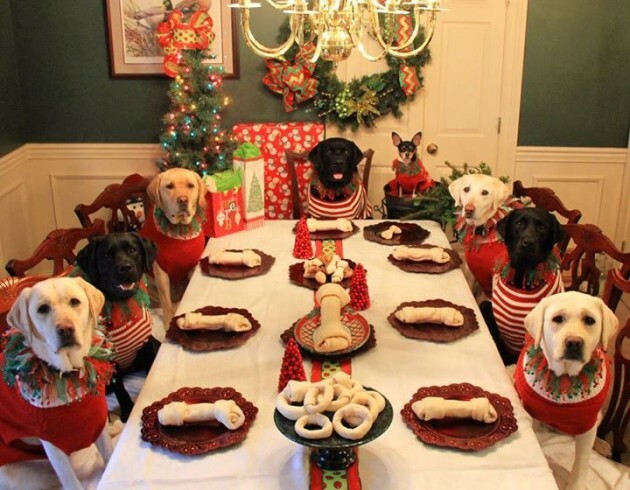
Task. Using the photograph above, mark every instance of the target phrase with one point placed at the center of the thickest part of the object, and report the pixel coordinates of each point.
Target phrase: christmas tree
(192, 136)
(255, 202)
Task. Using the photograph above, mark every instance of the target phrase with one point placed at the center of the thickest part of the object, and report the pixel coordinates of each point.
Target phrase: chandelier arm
(281, 5)
(369, 56)
(261, 49)
(395, 51)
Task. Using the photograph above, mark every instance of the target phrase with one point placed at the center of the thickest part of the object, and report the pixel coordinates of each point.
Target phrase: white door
(457, 110)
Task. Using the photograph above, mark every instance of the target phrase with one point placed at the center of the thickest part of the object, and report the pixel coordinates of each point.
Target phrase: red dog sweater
(68, 410)
(569, 404)
(179, 246)
(410, 178)
(354, 206)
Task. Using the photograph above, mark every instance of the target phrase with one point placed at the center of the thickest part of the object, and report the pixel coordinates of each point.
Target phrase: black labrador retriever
(115, 264)
(530, 235)
(335, 161)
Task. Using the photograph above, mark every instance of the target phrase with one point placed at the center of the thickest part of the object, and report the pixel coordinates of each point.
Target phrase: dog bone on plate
(225, 411)
(434, 407)
(248, 258)
(389, 233)
(435, 254)
(231, 322)
(341, 224)
(428, 314)
(331, 335)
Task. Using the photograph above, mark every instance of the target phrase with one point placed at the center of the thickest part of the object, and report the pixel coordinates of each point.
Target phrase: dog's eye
(75, 302)
(588, 320)
(557, 319)
(43, 309)
(132, 251)
(170, 186)
(191, 185)
(467, 189)
(484, 192)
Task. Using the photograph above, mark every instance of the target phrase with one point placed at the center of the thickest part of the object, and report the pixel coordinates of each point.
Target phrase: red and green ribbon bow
(294, 81)
(407, 76)
(174, 34)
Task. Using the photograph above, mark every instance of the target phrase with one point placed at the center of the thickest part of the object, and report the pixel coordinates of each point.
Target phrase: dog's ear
(396, 139)
(455, 188)
(18, 316)
(504, 227)
(201, 198)
(417, 138)
(315, 155)
(610, 324)
(87, 258)
(149, 249)
(96, 299)
(153, 190)
(357, 154)
(557, 229)
(501, 192)
(535, 320)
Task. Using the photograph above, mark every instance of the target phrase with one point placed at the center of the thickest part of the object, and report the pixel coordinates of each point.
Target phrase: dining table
(397, 366)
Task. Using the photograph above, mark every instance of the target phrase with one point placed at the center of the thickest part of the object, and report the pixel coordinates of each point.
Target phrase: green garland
(378, 94)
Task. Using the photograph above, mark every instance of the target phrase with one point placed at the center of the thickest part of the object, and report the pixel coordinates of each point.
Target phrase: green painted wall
(576, 81)
(64, 70)
(12, 133)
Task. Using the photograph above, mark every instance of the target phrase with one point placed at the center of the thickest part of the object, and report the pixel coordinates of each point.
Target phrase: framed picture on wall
(133, 46)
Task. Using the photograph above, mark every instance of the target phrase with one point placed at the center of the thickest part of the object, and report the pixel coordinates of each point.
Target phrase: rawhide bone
(434, 254)
(389, 233)
(231, 322)
(248, 258)
(225, 411)
(340, 224)
(331, 335)
(435, 407)
(427, 314)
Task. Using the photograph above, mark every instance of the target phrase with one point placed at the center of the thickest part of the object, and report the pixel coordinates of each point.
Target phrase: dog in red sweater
(176, 226)
(411, 176)
(55, 367)
(563, 373)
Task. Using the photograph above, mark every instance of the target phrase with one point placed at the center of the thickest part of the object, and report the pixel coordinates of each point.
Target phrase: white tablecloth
(398, 366)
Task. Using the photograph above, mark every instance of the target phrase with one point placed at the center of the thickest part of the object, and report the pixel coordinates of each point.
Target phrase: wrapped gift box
(224, 212)
(274, 139)
(249, 161)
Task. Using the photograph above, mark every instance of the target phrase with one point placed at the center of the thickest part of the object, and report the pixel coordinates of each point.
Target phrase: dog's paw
(115, 428)
(602, 447)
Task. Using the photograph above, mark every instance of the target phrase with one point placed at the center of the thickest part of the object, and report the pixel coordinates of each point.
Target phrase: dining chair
(118, 200)
(298, 193)
(546, 198)
(591, 247)
(617, 414)
(58, 246)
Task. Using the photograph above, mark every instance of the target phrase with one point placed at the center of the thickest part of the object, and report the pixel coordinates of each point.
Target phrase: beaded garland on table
(45, 385)
(180, 231)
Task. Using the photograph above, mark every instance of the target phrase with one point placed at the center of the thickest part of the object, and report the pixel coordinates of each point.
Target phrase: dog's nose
(125, 267)
(182, 200)
(573, 347)
(526, 242)
(65, 330)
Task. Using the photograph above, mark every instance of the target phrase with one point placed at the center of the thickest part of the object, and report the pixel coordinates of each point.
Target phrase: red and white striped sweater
(356, 206)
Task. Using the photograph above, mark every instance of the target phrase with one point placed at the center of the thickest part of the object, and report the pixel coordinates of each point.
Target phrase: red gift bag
(224, 212)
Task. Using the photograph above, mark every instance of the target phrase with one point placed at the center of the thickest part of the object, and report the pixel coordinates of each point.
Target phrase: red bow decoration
(174, 35)
(407, 76)
(294, 81)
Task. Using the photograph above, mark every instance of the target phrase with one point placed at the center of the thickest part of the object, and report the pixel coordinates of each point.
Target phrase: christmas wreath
(359, 102)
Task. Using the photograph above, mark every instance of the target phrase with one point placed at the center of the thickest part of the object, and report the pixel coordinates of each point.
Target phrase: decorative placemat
(464, 434)
(237, 271)
(209, 340)
(432, 331)
(333, 234)
(412, 234)
(198, 438)
(427, 266)
(296, 276)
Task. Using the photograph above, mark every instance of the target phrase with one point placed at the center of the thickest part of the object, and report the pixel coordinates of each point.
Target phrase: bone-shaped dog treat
(247, 258)
(356, 415)
(231, 322)
(434, 254)
(427, 314)
(340, 224)
(331, 335)
(225, 411)
(434, 407)
(389, 233)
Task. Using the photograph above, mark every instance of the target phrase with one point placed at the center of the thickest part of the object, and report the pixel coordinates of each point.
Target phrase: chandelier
(335, 27)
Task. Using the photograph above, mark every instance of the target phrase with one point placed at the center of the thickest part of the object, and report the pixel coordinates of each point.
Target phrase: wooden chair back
(115, 199)
(581, 261)
(546, 198)
(617, 415)
(58, 246)
(298, 195)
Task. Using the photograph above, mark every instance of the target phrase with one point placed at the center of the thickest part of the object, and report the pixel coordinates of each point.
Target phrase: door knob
(432, 149)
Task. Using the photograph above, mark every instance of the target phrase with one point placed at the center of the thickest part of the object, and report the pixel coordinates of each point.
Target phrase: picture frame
(133, 47)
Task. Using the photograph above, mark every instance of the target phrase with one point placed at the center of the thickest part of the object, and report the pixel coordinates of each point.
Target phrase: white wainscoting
(40, 184)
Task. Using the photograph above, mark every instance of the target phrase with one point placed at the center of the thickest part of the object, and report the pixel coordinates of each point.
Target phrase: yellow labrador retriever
(479, 195)
(176, 227)
(55, 324)
(562, 375)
